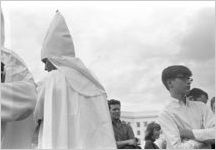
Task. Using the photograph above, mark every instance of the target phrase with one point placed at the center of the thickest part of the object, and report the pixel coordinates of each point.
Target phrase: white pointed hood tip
(58, 41)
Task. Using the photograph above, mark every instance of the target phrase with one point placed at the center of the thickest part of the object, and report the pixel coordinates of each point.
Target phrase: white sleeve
(208, 133)
(204, 134)
(208, 118)
(172, 136)
(18, 100)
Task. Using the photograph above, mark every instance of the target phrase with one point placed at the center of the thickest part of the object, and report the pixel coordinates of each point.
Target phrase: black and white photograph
(108, 75)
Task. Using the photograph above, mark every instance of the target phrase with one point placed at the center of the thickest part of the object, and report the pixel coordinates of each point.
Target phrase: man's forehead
(182, 75)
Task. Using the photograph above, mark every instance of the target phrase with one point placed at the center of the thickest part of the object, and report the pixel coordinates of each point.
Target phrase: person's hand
(138, 141)
(164, 144)
(132, 142)
(186, 133)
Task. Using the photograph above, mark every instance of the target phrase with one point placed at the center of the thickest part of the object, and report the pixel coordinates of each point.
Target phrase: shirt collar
(180, 103)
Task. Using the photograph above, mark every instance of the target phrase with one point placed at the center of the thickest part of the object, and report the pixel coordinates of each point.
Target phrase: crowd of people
(69, 108)
(187, 127)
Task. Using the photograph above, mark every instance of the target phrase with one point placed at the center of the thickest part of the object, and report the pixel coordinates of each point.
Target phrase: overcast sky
(126, 44)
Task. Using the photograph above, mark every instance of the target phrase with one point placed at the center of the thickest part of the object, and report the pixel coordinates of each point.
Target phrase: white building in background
(139, 121)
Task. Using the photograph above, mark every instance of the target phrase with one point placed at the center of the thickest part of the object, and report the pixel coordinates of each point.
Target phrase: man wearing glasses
(180, 114)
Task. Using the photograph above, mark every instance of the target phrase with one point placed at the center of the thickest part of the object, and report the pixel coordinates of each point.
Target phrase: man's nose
(189, 81)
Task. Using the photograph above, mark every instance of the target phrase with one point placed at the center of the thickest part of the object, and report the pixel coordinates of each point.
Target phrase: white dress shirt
(193, 115)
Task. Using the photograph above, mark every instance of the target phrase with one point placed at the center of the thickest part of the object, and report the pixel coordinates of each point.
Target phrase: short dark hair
(149, 130)
(196, 93)
(113, 102)
(171, 72)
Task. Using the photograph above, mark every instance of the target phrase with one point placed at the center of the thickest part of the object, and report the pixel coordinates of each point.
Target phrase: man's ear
(169, 83)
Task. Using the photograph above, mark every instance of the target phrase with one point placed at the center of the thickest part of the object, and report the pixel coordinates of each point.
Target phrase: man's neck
(180, 97)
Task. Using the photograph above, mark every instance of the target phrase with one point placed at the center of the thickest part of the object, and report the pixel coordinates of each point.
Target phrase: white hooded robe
(71, 102)
(18, 99)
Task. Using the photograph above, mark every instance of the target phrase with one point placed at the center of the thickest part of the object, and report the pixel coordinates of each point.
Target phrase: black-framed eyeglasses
(185, 78)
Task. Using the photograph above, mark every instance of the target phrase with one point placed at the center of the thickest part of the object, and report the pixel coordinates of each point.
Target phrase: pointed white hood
(58, 47)
(2, 29)
(58, 41)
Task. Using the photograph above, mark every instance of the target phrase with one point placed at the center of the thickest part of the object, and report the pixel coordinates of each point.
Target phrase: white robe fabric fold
(18, 99)
(18, 134)
(72, 119)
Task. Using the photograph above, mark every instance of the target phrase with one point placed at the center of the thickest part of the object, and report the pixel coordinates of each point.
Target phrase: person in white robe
(18, 100)
(72, 107)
